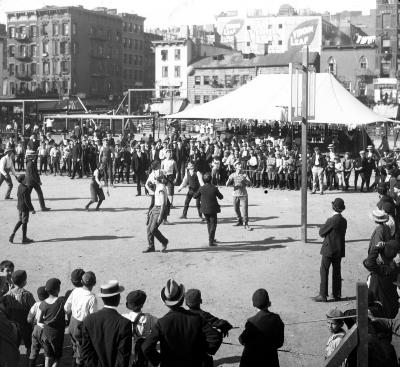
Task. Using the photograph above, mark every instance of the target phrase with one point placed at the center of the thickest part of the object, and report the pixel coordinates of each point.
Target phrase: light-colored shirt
(6, 165)
(240, 181)
(333, 342)
(34, 313)
(160, 195)
(81, 302)
(144, 326)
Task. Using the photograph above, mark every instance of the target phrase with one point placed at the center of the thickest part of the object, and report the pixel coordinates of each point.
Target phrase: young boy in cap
(52, 319)
(142, 325)
(24, 206)
(6, 270)
(37, 334)
(263, 334)
(22, 302)
(335, 326)
(80, 303)
(332, 251)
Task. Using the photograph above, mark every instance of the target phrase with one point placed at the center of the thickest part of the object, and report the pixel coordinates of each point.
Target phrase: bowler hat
(172, 294)
(260, 298)
(379, 216)
(193, 297)
(338, 205)
(110, 289)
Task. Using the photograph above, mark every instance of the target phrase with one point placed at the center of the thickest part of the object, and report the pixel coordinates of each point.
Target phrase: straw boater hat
(110, 289)
(172, 294)
(330, 146)
(379, 216)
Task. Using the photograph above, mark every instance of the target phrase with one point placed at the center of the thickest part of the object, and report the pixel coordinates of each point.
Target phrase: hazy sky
(168, 12)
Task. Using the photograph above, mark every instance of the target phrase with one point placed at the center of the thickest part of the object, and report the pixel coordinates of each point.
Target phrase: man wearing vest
(318, 165)
(7, 166)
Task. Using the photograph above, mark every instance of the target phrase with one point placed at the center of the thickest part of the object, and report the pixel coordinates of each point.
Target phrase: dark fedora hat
(338, 205)
(173, 293)
(110, 289)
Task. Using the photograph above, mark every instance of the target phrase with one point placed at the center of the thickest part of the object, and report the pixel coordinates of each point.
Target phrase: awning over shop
(268, 97)
(164, 108)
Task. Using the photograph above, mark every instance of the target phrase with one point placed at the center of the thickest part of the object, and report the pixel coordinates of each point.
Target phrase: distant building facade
(3, 60)
(215, 76)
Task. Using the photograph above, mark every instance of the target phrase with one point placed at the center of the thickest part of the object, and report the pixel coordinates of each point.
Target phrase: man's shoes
(27, 240)
(212, 244)
(149, 249)
(238, 224)
(321, 193)
(11, 238)
(164, 247)
(183, 217)
(45, 209)
(138, 195)
(313, 192)
(320, 298)
(247, 227)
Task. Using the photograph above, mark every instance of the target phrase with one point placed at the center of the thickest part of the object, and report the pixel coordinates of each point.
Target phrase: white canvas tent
(268, 97)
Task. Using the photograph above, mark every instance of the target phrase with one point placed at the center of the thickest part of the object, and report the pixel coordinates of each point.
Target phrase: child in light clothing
(335, 327)
(142, 324)
(37, 334)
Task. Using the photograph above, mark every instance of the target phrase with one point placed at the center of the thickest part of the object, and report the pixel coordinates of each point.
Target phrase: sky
(178, 12)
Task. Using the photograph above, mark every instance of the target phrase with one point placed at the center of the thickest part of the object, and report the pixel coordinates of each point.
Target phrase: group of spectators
(103, 337)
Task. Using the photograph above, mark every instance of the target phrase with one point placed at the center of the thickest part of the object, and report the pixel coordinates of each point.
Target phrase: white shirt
(144, 325)
(6, 163)
(34, 312)
(159, 198)
(81, 302)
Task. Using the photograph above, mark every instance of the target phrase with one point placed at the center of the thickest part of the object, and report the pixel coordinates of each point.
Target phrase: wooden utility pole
(304, 114)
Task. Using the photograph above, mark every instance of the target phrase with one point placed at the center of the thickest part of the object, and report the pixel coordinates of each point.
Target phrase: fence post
(362, 324)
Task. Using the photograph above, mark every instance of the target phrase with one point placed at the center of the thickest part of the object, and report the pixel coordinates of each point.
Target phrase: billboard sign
(303, 34)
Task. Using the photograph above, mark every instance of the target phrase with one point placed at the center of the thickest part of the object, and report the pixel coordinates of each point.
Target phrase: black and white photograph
(198, 183)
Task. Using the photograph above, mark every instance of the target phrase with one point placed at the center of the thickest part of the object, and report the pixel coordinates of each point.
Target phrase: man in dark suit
(332, 251)
(209, 206)
(76, 155)
(106, 335)
(263, 334)
(360, 165)
(32, 180)
(185, 338)
(140, 165)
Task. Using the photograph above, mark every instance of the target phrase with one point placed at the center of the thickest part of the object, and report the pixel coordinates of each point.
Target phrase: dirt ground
(271, 256)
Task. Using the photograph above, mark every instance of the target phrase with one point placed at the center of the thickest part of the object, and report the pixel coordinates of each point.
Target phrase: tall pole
(129, 102)
(171, 102)
(304, 113)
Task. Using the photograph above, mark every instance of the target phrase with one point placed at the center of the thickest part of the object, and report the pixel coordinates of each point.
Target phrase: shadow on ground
(86, 238)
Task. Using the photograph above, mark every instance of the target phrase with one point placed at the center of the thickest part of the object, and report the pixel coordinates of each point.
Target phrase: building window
(206, 80)
(46, 67)
(332, 66)
(196, 99)
(44, 30)
(177, 72)
(362, 90)
(363, 62)
(55, 29)
(228, 81)
(165, 71)
(177, 54)
(75, 48)
(12, 87)
(33, 69)
(65, 86)
(385, 68)
(386, 43)
(33, 50)
(11, 32)
(124, 25)
(215, 82)
(11, 69)
(130, 27)
(269, 26)
(236, 80)
(63, 48)
(197, 80)
(280, 42)
(280, 26)
(206, 99)
(73, 28)
(136, 44)
(164, 55)
(11, 51)
(33, 31)
(248, 27)
(248, 43)
(45, 47)
(55, 67)
(55, 48)
(130, 60)
(65, 66)
(245, 79)
(386, 20)
(65, 29)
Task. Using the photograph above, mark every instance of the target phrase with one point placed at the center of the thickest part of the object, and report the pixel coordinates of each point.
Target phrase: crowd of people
(103, 337)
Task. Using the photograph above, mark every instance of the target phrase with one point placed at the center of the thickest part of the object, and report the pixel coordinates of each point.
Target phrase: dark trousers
(211, 226)
(141, 181)
(189, 197)
(346, 176)
(326, 262)
(367, 179)
(152, 228)
(43, 164)
(39, 192)
(8, 181)
(362, 176)
(77, 169)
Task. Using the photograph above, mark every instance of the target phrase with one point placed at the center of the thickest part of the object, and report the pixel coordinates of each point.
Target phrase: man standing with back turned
(332, 251)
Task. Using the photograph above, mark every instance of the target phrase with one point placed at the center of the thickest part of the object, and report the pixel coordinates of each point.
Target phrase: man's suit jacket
(262, 336)
(32, 177)
(140, 164)
(185, 339)
(208, 194)
(334, 232)
(106, 339)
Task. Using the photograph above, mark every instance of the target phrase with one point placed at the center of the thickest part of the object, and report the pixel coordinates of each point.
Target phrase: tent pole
(304, 110)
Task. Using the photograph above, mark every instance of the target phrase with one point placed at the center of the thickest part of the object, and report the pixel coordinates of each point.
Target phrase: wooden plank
(346, 346)
(362, 324)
